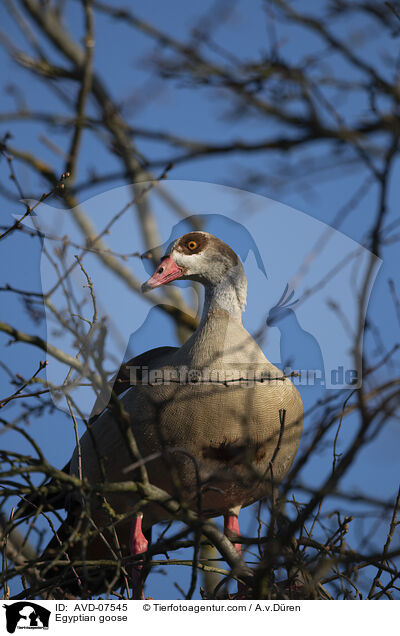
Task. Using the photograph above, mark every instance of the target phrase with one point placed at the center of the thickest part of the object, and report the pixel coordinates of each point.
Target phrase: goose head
(204, 258)
(197, 256)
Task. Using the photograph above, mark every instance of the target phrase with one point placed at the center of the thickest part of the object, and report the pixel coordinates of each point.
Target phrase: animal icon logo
(310, 333)
(25, 615)
(299, 349)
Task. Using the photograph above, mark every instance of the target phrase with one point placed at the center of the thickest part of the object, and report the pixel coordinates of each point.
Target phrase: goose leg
(231, 527)
(231, 530)
(137, 545)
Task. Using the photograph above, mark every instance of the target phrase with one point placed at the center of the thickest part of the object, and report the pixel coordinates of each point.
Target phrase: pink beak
(167, 271)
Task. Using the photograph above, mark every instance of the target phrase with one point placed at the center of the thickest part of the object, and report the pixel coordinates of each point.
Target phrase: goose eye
(191, 245)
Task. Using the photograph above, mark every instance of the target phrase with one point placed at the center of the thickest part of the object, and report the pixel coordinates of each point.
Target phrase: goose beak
(167, 271)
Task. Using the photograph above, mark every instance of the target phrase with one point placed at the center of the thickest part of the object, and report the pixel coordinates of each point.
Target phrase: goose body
(229, 428)
(228, 433)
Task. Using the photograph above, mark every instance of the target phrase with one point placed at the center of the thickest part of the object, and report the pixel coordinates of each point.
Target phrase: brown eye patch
(192, 243)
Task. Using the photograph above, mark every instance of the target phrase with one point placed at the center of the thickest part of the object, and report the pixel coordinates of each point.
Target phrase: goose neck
(227, 295)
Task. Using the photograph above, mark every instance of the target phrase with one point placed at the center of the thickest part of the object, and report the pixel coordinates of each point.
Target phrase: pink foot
(137, 545)
(231, 530)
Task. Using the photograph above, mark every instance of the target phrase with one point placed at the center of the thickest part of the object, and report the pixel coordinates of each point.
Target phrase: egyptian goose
(198, 414)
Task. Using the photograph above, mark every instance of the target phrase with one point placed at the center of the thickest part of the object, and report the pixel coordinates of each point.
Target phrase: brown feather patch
(203, 241)
(234, 451)
(198, 237)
